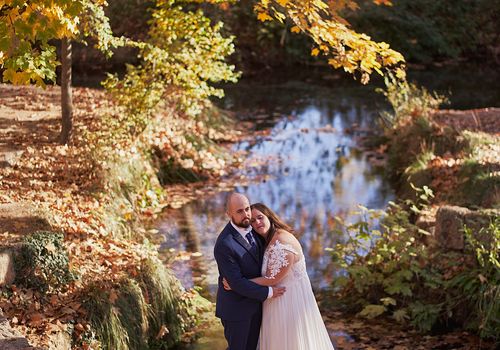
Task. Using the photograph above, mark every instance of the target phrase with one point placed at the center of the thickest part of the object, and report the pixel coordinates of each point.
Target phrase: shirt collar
(242, 231)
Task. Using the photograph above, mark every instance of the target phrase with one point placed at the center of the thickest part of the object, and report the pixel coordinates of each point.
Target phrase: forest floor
(38, 174)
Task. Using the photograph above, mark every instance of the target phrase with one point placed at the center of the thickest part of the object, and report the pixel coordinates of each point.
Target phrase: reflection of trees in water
(317, 177)
(187, 229)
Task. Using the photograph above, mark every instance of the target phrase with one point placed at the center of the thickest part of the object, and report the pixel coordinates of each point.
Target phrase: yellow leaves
(17, 78)
(128, 216)
(28, 27)
(321, 21)
(400, 73)
(264, 17)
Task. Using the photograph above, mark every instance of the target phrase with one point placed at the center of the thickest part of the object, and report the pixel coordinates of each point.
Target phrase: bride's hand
(226, 284)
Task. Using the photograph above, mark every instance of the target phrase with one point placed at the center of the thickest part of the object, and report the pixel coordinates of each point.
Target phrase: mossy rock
(450, 223)
(42, 262)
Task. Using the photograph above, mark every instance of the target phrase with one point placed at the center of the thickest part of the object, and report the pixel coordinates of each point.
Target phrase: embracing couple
(263, 284)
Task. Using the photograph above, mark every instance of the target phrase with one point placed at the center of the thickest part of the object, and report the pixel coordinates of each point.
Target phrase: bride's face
(260, 222)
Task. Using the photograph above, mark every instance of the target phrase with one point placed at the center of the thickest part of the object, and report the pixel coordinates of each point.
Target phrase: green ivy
(42, 262)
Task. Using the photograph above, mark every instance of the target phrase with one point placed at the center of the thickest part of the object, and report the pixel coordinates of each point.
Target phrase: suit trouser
(243, 335)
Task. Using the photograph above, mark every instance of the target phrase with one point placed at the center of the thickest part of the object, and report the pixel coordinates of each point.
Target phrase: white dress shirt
(243, 232)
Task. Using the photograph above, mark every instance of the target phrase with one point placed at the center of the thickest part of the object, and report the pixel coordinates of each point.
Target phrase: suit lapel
(244, 243)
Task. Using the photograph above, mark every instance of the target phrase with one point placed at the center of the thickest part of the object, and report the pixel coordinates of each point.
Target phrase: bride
(292, 321)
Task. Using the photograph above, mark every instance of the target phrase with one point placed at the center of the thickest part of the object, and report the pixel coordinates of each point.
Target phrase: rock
(21, 219)
(7, 274)
(59, 341)
(10, 339)
(9, 158)
(450, 222)
(449, 227)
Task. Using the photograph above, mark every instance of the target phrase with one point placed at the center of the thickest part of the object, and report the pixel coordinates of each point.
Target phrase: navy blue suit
(239, 309)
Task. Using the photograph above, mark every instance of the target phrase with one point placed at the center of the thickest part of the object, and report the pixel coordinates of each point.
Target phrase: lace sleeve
(281, 258)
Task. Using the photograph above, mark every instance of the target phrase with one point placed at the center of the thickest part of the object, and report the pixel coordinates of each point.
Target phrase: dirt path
(26, 114)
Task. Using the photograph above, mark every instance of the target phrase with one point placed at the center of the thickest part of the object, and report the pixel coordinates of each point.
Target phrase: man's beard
(242, 223)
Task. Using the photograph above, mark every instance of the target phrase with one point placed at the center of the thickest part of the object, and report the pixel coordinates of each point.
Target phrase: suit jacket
(238, 262)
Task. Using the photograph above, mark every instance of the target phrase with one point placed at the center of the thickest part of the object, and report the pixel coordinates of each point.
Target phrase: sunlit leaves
(372, 311)
(183, 54)
(26, 27)
(332, 37)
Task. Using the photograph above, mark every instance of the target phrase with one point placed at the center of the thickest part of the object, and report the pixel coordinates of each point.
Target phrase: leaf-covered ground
(56, 182)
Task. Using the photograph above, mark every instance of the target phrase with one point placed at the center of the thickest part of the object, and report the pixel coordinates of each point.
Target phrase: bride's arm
(263, 281)
(278, 266)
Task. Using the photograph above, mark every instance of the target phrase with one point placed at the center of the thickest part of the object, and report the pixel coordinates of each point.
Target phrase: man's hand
(278, 291)
(226, 285)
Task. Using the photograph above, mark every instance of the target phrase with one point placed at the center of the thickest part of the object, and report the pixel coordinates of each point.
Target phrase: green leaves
(400, 315)
(42, 261)
(403, 277)
(182, 56)
(372, 311)
(424, 316)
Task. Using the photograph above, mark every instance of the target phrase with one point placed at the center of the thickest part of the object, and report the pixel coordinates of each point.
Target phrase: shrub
(402, 277)
(408, 101)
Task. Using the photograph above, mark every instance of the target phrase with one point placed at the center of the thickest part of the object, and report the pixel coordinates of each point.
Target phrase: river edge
(455, 139)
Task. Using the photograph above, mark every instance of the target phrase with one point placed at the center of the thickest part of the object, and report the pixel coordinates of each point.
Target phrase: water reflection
(315, 175)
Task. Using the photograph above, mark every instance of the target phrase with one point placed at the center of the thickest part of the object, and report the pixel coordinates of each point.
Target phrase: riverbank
(100, 282)
(433, 264)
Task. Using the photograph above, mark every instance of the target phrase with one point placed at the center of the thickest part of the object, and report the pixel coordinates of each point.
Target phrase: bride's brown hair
(276, 222)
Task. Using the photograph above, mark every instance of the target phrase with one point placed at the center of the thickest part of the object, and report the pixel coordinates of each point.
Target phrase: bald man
(238, 252)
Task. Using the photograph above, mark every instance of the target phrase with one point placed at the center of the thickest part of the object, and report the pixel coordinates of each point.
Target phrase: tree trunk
(66, 98)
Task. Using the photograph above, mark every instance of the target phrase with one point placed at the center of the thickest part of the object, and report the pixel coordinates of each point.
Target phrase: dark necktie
(250, 238)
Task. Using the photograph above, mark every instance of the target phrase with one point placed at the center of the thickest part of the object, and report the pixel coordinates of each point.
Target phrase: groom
(238, 252)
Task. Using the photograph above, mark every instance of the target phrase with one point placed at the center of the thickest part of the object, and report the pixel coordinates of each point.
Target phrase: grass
(147, 312)
(478, 186)
(118, 325)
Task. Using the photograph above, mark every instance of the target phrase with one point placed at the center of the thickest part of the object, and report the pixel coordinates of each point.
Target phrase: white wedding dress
(291, 321)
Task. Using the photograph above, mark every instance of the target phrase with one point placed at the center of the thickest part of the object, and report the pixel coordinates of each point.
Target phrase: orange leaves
(383, 2)
(161, 333)
(113, 295)
(40, 315)
(180, 142)
(264, 17)
(36, 319)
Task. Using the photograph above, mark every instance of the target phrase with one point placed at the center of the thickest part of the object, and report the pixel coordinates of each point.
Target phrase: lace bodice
(278, 258)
